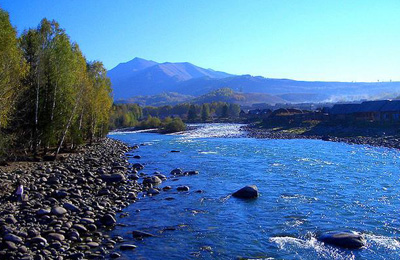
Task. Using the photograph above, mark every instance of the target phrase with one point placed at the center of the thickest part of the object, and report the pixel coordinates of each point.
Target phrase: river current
(306, 187)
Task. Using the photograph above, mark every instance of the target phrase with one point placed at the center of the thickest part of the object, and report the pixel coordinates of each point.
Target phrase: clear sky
(351, 40)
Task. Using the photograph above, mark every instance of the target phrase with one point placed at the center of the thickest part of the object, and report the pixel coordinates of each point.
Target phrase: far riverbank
(389, 140)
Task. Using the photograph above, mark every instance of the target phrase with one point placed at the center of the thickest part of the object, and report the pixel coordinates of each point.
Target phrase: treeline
(130, 115)
(50, 95)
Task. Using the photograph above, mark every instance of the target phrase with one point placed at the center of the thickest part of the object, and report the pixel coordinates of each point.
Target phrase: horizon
(305, 41)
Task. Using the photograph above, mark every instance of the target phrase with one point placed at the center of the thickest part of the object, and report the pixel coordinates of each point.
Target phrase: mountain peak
(146, 77)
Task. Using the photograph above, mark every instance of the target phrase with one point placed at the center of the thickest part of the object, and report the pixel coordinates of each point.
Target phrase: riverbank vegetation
(51, 96)
(132, 115)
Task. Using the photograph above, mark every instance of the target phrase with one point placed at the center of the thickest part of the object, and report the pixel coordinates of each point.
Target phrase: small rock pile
(69, 205)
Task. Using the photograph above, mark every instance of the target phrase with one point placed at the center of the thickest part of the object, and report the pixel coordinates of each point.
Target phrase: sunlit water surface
(307, 187)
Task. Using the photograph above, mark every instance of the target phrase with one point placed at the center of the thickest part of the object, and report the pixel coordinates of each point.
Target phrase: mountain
(140, 77)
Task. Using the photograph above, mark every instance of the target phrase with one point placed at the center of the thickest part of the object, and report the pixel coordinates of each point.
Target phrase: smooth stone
(71, 207)
(349, 240)
(80, 228)
(38, 240)
(139, 234)
(42, 212)
(153, 192)
(93, 244)
(183, 188)
(167, 188)
(108, 220)
(13, 238)
(112, 178)
(115, 255)
(56, 245)
(152, 180)
(11, 220)
(138, 166)
(58, 211)
(191, 173)
(127, 247)
(11, 245)
(87, 220)
(176, 171)
(248, 192)
(61, 194)
(73, 235)
(78, 255)
(55, 237)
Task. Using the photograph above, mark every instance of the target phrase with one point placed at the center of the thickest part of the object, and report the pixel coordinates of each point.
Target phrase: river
(306, 187)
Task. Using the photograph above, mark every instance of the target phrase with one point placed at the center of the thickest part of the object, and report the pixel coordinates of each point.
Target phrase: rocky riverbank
(69, 204)
(390, 141)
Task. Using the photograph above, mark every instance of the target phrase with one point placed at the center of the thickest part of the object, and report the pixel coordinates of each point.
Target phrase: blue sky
(297, 39)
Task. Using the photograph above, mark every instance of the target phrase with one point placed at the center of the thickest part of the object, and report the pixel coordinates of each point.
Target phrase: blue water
(307, 187)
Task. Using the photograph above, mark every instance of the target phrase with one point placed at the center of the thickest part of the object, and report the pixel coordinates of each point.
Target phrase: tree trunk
(68, 125)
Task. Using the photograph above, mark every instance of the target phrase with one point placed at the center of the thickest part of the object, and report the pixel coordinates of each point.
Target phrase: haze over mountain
(140, 77)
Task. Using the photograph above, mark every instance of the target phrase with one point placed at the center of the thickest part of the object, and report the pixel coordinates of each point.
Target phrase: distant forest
(50, 95)
(129, 115)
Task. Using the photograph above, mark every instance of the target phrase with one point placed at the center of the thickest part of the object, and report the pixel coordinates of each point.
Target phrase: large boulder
(112, 178)
(349, 240)
(152, 180)
(108, 220)
(137, 166)
(177, 171)
(248, 192)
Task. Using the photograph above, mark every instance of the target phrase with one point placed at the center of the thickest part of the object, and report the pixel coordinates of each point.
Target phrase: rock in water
(176, 171)
(349, 240)
(248, 192)
(108, 220)
(139, 234)
(127, 247)
(183, 188)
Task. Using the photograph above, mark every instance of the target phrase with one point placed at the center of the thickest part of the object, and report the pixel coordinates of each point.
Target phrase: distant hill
(219, 95)
(228, 95)
(140, 77)
(162, 99)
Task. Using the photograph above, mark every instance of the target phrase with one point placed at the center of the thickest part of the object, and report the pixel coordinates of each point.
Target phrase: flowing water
(306, 187)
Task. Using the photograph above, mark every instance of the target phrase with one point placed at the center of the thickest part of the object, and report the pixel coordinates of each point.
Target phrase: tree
(12, 68)
(205, 112)
(225, 111)
(173, 125)
(192, 114)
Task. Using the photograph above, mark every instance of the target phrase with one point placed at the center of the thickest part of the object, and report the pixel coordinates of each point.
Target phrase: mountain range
(140, 77)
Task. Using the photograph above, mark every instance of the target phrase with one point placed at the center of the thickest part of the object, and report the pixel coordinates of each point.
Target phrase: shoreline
(70, 204)
(389, 141)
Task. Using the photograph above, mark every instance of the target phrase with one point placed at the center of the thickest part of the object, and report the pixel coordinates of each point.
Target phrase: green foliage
(150, 122)
(192, 113)
(205, 112)
(173, 125)
(125, 115)
(12, 68)
(225, 111)
(62, 98)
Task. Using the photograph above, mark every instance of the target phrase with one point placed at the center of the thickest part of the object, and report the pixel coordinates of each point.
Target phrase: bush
(174, 125)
